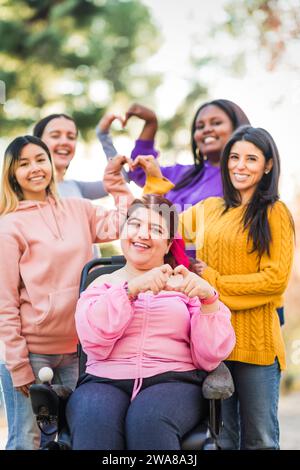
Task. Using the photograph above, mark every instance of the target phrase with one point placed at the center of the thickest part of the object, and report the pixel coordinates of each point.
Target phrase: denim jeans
(250, 415)
(23, 432)
(101, 416)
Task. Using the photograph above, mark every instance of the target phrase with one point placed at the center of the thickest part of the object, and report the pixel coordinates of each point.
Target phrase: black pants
(101, 415)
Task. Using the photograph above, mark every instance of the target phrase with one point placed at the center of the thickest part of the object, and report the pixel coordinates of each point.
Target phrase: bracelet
(210, 300)
(131, 297)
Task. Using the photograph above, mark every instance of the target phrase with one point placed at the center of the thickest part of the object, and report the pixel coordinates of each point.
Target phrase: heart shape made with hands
(174, 282)
(123, 120)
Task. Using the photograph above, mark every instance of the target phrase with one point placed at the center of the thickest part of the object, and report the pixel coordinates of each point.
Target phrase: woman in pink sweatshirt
(151, 330)
(45, 242)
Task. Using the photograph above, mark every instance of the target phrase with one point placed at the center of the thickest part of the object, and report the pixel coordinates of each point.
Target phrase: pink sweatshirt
(44, 247)
(152, 335)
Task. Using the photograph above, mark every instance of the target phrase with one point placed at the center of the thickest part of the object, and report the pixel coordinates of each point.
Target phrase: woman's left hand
(199, 267)
(192, 285)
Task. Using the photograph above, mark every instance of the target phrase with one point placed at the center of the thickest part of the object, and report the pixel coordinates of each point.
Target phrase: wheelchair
(49, 401)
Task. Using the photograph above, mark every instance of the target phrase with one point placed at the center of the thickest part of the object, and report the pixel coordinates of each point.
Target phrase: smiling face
(33, 172)
(213, 129)
(145, 239)
(247, 166)
(60, 135)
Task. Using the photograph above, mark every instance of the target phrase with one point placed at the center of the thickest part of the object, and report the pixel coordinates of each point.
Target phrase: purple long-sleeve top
(206, 184)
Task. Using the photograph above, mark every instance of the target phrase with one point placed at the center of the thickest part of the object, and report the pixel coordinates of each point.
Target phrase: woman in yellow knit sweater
(245, 242)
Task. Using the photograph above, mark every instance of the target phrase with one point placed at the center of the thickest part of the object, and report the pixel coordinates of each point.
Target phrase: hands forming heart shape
(148, 163)
(179, 279)
(135, 109)
(174, 282)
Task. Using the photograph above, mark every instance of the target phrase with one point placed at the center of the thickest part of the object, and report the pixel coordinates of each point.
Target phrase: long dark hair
(255, 217)
(237, 118)
(165, 209)
(39, 128)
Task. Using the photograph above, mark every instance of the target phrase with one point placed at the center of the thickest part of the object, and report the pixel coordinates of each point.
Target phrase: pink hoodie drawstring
(136, 387)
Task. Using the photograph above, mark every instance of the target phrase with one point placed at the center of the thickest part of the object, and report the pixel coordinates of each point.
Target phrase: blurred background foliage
(72, 55)
(80, 56)
(272, 25)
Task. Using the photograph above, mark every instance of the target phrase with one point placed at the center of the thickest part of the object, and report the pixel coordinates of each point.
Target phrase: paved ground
(289, 415)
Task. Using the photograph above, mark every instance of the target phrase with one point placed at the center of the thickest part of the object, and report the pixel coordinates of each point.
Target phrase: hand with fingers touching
(147, 115)
(193, 285)
(149, 164)
(141, 112)
(154, 280)
(107, 120)
(116, 163)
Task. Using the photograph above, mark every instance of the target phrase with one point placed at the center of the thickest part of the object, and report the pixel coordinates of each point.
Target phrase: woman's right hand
(154, 280)
(24, 389)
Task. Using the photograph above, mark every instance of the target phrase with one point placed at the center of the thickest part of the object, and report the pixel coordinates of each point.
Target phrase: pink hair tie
(178, 251)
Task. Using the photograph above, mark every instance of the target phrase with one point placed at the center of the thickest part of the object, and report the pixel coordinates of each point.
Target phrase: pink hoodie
(152, 335)
(44, 247)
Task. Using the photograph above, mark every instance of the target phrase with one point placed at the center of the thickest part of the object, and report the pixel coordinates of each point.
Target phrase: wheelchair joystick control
(46, 375)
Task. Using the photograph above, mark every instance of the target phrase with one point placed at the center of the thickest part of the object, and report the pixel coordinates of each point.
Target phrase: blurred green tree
(72, 55)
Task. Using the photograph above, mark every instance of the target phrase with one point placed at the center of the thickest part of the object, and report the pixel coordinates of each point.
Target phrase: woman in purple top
(212, 126)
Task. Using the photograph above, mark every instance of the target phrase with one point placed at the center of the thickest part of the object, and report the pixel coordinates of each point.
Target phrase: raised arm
(148, 116)
(114, 182)
(102, 132)
(144, 145)
(106, 224)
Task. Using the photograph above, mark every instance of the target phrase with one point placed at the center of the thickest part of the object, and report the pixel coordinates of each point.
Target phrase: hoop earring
(199, 155)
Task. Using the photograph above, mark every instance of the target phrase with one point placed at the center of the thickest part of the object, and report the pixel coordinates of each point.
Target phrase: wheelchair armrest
(218, 385)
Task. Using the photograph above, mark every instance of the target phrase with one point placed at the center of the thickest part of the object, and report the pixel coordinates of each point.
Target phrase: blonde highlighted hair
(11, 192)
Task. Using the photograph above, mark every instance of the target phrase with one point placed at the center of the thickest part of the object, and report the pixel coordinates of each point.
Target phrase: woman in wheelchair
(151, 331)
(45, 242)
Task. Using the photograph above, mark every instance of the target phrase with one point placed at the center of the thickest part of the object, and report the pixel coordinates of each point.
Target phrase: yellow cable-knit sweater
(251, 286)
